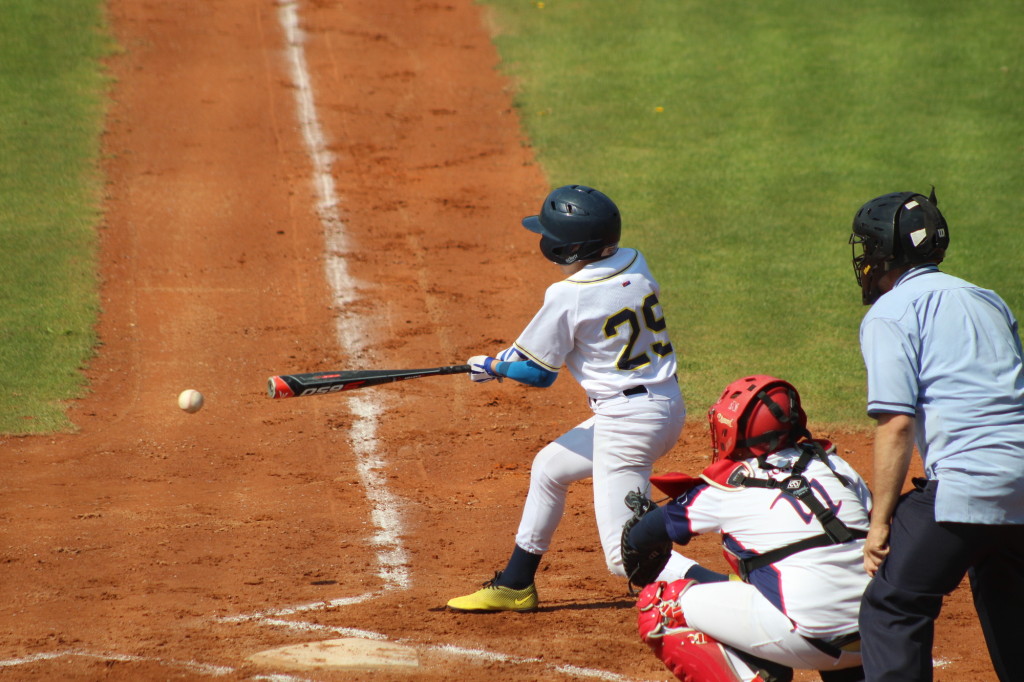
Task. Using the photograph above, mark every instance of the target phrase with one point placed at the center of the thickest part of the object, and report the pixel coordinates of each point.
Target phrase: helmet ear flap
(723, 430)
(558, 252)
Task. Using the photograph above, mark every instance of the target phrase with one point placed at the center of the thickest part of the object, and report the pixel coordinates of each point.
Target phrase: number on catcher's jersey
(626, 360)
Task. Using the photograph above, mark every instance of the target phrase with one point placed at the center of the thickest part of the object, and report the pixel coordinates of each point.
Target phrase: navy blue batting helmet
(576, 223)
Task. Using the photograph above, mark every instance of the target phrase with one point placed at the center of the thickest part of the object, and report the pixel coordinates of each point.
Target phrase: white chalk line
(221, 670)
(302, 608)
(193, 666)
(391, 556)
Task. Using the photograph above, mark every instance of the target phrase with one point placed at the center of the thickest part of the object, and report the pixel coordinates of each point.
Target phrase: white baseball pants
(617, 447)
(739, 616)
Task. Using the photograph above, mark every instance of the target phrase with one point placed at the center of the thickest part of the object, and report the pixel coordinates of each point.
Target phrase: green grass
(51, 109)
(739, 139)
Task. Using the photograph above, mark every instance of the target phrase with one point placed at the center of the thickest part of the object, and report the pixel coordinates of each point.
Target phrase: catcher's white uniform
(786, 610)
(606, 325)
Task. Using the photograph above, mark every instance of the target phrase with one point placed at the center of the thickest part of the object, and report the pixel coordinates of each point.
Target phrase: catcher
(792, 515)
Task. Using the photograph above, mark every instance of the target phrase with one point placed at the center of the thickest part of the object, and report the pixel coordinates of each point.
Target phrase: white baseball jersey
(818, 589)
(606, 325)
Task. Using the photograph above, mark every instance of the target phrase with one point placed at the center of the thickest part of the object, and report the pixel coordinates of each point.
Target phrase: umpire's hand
(876, 546)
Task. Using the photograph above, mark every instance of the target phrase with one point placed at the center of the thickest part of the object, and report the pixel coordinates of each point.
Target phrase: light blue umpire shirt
(948, 353)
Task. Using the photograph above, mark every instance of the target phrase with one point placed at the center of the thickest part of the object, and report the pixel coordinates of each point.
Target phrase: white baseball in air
(190, 400)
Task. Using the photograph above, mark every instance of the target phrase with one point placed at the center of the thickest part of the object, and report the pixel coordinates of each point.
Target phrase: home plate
(338, 654)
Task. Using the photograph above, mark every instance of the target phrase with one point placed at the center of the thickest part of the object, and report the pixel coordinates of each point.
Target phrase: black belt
(635, 390)
(837, 646)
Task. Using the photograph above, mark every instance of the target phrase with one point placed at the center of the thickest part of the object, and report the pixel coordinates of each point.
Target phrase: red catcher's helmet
(756, 415)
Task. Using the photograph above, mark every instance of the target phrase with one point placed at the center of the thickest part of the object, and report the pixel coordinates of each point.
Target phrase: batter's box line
(317, 627)
(493, 656)
(481, 655)
(302, 608)
(192, 666)
(272, 617)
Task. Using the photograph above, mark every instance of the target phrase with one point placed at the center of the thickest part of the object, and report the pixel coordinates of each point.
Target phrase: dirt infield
(154, 544)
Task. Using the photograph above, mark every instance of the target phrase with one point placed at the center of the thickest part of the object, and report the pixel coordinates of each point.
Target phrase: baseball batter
(793, 517)
(605, 323)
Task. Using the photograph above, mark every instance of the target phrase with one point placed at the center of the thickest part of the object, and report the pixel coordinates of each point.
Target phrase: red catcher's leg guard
(659, 612)
(692, 656)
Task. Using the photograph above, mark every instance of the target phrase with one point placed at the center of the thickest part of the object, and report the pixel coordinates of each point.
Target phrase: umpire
(944, 369)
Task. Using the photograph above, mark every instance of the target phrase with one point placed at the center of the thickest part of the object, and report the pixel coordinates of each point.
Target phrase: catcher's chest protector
(737, 475)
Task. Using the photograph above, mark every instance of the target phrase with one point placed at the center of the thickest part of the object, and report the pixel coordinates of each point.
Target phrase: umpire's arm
(894, 446)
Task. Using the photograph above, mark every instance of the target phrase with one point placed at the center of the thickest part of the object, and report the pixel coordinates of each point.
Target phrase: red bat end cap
(277, 388)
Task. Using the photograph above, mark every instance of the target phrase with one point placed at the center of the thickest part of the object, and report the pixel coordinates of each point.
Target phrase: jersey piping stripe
(879, 406)
(636, 254)
(531, 356)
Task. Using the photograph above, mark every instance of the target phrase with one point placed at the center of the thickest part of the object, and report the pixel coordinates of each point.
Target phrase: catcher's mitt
(643, 565)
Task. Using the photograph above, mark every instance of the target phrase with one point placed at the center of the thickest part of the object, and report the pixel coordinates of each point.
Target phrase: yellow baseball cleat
(497, 598)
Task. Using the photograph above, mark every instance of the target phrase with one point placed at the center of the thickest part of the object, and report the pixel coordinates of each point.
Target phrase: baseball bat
(323, 383)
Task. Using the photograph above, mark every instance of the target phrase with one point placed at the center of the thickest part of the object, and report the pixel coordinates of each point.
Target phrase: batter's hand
(876, 547)
(481, 369)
